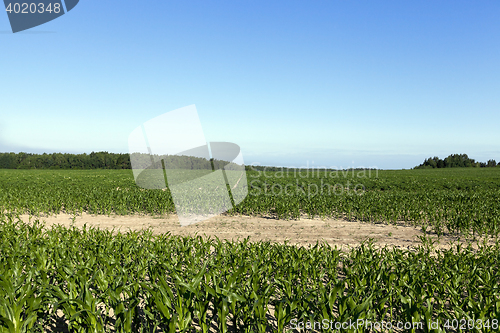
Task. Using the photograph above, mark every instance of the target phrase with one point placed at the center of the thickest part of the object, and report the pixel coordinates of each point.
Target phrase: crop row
(444, 201)
(136, 282)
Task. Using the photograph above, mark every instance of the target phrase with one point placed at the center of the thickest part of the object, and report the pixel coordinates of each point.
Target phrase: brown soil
(299, 232)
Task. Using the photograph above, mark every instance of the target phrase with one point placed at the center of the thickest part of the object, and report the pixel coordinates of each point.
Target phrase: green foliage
(455, 161)
(72, 191)
(99, 160)
(456, 200)
(137, 282)
(104, 160)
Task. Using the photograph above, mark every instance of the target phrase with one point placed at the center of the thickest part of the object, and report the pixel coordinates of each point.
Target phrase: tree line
(94, 160)
(455, 161)
(104, 160)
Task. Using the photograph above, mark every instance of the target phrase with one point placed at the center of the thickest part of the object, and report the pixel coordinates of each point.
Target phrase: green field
(460, 200)
(137, 282)
(187, 284)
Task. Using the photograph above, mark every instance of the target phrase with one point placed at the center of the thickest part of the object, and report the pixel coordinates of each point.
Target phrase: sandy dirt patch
(298, 232)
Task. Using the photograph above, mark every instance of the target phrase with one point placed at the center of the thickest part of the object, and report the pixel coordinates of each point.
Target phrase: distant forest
(99, 160)
(105, 160)
(455, 161)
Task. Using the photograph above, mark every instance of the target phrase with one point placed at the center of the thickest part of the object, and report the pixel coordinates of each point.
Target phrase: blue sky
(294, 83)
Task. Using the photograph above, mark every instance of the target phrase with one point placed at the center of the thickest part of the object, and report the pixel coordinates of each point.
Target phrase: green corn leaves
(463, 201)
(91, 280)
(98, 282)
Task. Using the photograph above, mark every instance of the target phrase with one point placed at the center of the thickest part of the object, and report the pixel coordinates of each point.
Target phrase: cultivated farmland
(444, 200)
(91, 280)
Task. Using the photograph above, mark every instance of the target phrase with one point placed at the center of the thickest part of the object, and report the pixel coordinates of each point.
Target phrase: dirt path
(299, 232)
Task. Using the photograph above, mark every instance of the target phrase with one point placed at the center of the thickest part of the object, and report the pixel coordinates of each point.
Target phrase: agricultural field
(135, 282)
(461, 201)
(57, 279)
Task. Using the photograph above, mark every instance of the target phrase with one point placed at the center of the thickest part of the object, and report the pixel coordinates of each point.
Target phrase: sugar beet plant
(91, 280)
(442, 200)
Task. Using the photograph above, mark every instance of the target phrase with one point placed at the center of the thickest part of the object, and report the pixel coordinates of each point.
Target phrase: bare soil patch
(305, 231)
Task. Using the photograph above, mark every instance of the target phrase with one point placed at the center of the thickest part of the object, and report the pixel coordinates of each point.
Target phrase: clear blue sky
(341, 83)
